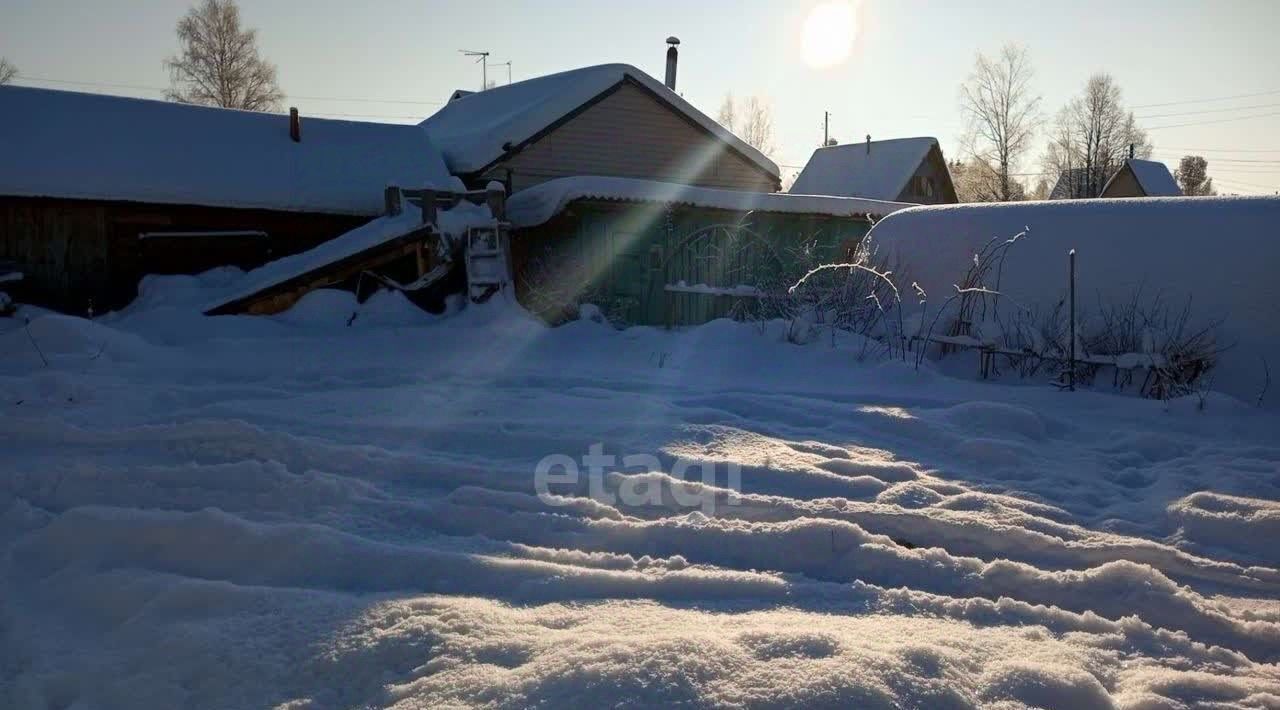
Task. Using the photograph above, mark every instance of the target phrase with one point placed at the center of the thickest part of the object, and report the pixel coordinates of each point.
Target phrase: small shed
(654, 253)
(1142, 178)
(96, 190)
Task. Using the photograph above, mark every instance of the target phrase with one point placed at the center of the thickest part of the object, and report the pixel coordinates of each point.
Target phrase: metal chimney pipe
(673, 55)
(868, 144)
(295, 125)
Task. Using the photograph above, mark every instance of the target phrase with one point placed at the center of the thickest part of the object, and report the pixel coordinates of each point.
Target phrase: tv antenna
(506, 64)
(483, 61)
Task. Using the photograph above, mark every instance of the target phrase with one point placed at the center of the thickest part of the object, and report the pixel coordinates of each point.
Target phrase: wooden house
(1142, 178)
(653, 253)
(97, 191)
(902, 170)
(610, 120)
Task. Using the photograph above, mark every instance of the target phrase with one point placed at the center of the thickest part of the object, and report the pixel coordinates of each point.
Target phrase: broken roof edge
(540, 203)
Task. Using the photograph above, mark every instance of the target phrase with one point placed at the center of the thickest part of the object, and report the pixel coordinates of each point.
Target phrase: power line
(1208, 110)
(1227, 150)
(161, 89)
(1206, 101)
(1221, 120)
(1174, 152)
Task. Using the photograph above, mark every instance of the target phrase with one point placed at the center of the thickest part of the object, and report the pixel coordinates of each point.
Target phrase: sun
(828, 34)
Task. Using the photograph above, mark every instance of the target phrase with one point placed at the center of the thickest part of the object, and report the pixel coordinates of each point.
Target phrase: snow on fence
(1192, 276)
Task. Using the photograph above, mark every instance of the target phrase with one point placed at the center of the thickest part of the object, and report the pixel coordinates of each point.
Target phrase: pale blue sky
(901, 80)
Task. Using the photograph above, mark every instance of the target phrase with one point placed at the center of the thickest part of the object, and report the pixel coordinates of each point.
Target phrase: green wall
(620, 255)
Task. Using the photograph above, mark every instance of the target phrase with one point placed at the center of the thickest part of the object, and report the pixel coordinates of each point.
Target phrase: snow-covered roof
(852, 170)
(93, 146)
(472, 129)
(1153, 177)
(1071, 183)
(1211, 250)
(536, 205)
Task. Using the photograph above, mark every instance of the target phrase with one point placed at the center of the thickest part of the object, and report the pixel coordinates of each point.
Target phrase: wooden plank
(280, 296)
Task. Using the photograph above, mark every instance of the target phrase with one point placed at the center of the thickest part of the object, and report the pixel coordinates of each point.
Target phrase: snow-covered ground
(292, 511)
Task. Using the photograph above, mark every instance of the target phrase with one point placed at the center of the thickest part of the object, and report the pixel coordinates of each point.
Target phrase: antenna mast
(483, 61)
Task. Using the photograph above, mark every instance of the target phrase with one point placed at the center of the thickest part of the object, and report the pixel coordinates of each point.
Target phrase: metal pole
(826, 124)
(1071, 362)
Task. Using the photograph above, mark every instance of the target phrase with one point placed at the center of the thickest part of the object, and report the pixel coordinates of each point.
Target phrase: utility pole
(826, 128)
(483, 61)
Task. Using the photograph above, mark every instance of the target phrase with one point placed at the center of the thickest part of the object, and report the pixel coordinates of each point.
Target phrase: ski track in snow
(288, 512)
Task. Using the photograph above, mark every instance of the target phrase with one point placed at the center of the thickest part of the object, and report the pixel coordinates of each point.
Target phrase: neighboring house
(902, 170)
(1073, 183)
(1135, 178)
(611, 120)
(653, 253)
(1142, 178)
(96, 191)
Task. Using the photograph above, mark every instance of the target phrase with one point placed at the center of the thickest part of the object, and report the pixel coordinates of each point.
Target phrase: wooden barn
(97, 191)
(652, 253)
(612, 120)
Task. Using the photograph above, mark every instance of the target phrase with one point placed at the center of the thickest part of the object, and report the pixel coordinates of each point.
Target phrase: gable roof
(851, 170)
(1153, 177)
(538, 204)
(93, 146)
(473, 129)
(1071, 183)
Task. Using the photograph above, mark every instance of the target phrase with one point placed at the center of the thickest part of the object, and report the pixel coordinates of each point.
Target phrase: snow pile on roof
(541, 202)
(1219, 252)
(472, 129)
(1154, 178)
(852, 171)
(292, 512)
(92, 146)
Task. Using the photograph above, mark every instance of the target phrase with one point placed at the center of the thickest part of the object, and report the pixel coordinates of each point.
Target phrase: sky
(1212, 65)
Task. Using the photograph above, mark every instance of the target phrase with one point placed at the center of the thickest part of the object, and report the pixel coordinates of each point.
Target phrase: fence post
(1071, 361)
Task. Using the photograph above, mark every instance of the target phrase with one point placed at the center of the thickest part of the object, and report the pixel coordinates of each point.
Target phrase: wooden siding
(630, 133)
(935, 167)
(1124, 184)
(620, 256)
(79, 252)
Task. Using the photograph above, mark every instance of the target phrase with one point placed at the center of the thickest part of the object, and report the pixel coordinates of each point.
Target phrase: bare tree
(1091, 138)
(1002, 114)
(727, 112)
(1193, 177)
(755, 124)
(218, 63)
(976, 180)
(7, 71)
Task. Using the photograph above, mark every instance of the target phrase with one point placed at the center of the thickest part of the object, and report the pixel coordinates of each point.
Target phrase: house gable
(628, 132)
(930, 183)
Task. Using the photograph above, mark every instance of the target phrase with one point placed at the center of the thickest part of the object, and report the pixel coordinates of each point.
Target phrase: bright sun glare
(828, 34)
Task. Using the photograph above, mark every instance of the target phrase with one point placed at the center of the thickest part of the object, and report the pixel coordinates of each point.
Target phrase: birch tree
(1002, 114)
(751, 120)
(1091, 138)
(218, 62)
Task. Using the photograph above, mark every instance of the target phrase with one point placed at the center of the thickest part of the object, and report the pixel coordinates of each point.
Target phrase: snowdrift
(1218, 253)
